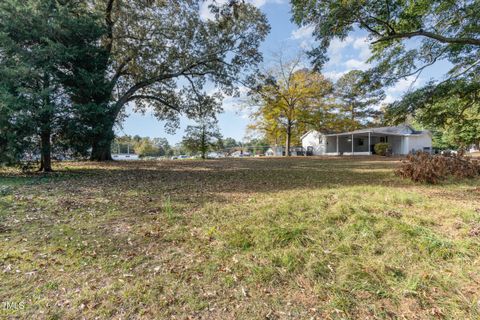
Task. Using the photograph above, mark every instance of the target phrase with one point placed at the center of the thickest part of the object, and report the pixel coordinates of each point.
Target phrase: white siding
(122, 156)
(315, 140)
(401, 145)
(418, 142)
(397, 143)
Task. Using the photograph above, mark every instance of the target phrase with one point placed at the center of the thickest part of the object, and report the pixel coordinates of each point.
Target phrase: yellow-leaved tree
(289, 100)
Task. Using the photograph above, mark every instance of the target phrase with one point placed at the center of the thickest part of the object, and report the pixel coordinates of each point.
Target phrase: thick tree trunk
(45, 152)
(101, 151)
(102, 147)
(288, 142)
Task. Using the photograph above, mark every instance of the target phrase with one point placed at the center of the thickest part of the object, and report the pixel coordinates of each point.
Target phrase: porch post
(337, 145)
(369, 146)
(352, 145)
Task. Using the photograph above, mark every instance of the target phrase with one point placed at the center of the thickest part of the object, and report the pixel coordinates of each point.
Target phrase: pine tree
(42, 43)
(205, 134)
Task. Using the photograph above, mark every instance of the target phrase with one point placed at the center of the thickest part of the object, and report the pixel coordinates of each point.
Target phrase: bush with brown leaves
(424, 167)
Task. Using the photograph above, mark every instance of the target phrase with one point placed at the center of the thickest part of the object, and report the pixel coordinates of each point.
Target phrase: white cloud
(357, 64)
(388, 99)
(334, 75)
(404, 85)
(394, 93)
(362, 44)
(337, 45)
(335, 50)
(303, 32)
(351, 53)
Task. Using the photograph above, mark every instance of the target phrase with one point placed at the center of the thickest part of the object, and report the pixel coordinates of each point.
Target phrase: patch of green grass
(170, 212)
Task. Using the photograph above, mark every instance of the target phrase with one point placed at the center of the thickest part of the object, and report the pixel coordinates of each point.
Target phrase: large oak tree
(163, 53)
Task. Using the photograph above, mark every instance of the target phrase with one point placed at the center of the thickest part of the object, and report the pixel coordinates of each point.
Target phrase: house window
(383, 139)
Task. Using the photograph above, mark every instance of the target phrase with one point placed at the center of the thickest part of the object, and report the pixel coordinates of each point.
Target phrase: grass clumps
(351, 253)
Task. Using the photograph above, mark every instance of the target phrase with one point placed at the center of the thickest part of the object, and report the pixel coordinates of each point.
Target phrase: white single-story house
(125, 156)
(274, 151)
(402, 139)
(239, 154)
(280, 151)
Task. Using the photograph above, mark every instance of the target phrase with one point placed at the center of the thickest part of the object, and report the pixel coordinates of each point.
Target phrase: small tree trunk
(288, 142)
(46, 130)
(45, 152)
(203, 142)
(354, 126)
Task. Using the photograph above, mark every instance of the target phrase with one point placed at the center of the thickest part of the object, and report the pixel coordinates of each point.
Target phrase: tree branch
(110, 23)
(149, 97)
(431, 35)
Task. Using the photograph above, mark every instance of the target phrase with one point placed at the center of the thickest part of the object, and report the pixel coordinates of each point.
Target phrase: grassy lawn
(295, 238)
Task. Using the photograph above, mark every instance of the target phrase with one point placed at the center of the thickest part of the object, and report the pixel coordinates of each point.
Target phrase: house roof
(403, 130)
(305, 134)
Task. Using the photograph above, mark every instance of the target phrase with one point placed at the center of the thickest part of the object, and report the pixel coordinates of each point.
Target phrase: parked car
(215, 155)
(239, 154)
(448, 151)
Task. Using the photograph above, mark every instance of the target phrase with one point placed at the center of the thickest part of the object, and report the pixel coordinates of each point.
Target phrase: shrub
(382, 148)
(424, 167)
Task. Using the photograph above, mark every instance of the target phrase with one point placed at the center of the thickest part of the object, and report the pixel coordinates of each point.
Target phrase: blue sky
(286, 38)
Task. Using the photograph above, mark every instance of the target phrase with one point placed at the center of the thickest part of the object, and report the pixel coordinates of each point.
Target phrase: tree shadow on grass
(142, 187)
(200, 181)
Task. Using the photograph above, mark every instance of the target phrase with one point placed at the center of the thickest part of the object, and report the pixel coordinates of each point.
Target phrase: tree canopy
(359, 96)
(443, 30)
(42, 44)
(406, 38)
(205, 134)
(290, 100)
(452, 107)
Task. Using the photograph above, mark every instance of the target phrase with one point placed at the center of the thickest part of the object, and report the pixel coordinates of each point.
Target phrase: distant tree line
(160, 147)
(142, 146)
